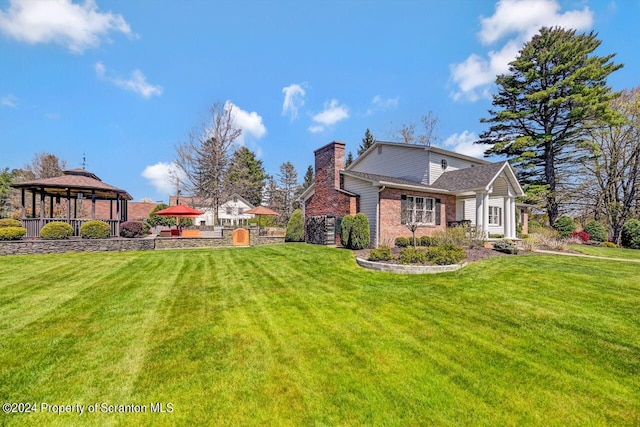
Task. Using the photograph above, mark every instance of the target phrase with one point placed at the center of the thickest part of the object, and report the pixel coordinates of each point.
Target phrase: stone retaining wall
(23, 247)
(408, 269)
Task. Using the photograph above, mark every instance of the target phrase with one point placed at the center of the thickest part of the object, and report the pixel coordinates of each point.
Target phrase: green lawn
(299, 335)
(607, 252)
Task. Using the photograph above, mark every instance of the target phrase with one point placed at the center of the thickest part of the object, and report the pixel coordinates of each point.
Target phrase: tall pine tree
(246, 176)
(367, 142)
(544, 105)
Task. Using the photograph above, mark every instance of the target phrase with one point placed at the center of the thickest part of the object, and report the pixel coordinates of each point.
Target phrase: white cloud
(249, 122)
(9, 101)
(378, 103)
(463, 143)
(333, 113)
(75, 26)
(162, 176)
(520, 20)
(136, 83)
(293, 100)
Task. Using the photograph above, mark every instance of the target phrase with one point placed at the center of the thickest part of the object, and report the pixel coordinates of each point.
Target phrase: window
(444, 164)
(495, 215)
(419, 210)
(229, 210)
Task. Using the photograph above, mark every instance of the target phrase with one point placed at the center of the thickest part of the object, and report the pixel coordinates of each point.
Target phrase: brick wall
(328, 198)
(390, 215)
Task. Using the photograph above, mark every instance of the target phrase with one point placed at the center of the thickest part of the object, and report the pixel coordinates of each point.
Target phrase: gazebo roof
(77, 181)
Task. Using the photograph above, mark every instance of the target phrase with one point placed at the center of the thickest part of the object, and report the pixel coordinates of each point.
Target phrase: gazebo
(74, 186)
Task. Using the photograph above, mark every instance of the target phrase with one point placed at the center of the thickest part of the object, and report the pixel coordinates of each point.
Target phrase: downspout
(378, 216)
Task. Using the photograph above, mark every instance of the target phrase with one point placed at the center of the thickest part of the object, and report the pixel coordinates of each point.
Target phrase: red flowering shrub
(581, 235)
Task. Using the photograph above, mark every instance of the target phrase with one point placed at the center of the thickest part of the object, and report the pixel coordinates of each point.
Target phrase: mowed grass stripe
(296, 334)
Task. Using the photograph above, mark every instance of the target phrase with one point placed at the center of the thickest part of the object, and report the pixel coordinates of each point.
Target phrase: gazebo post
(22, 200)
(42, 203)
(33, 204)
(69, 204)
(50, 206)
(93, 204)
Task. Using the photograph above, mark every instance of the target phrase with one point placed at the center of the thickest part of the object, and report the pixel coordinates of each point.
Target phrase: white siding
(453, 163)
(470, 212)
(498, 202)
(368, 202)
(408, 162)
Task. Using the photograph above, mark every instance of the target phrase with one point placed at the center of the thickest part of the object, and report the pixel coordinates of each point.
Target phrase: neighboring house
(230, 213)
(396, 184)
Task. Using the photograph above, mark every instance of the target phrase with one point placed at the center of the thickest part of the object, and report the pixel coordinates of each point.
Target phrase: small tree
(295, 227)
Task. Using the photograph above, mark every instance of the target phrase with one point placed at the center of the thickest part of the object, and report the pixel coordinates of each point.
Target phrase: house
(398, 184)
(230, 213)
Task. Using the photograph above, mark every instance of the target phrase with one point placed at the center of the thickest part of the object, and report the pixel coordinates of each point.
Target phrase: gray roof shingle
(469, 178)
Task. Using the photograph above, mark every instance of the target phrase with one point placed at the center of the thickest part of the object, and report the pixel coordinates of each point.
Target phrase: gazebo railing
(34, 225)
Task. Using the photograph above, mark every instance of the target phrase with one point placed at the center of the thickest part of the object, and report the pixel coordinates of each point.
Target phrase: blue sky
(123, 82)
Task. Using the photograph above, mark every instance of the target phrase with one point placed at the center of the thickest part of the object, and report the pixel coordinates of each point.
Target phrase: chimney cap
(330, 144)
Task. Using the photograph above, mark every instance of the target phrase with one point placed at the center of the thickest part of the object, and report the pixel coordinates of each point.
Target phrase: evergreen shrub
(609, 245)
(9, 222)
(428, 241)
(564, 226)
(132, 229)
(295, 227)
(446, 254)
(56, 230)
(95, 229)
(402, 242)
(631, 234)
(506, 246)
(345, 230)
(355, 232)
(382, 253)
(411, 255)
(596, 231)
(12, 233)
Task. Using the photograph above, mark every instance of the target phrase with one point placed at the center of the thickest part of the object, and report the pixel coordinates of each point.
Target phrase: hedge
(95, 229)
(12, 233)
(9, 222)
(56, 230)
(355, 232)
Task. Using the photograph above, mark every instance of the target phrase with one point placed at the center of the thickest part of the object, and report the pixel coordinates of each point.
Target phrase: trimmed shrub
(428, 241)
(446, 254)
(506, 246)
(360, 233)
(95, 229)
(609, 245)
(9, 222)
(402, 242)
(496, 236)
(12, 233)
(56, 230)
(582, 235)
(355, 231)
(132, 229)
(345, 229)
(564, 226)
(383, 253)
(295, 227)
(411, 255)
(631, 234)
(596, 231)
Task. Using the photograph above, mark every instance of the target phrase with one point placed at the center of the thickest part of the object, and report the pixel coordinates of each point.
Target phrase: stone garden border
(408, 269)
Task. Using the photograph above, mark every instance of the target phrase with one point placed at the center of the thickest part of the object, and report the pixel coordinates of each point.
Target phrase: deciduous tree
(204, 158)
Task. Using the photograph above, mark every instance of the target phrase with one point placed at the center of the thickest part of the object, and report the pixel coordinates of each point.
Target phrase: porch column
(507, 218)
(33, 204)
(485, 214)
(512, 215)
(479, 212)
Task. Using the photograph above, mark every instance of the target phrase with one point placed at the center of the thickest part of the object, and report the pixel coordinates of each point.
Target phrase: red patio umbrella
(180, 211)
